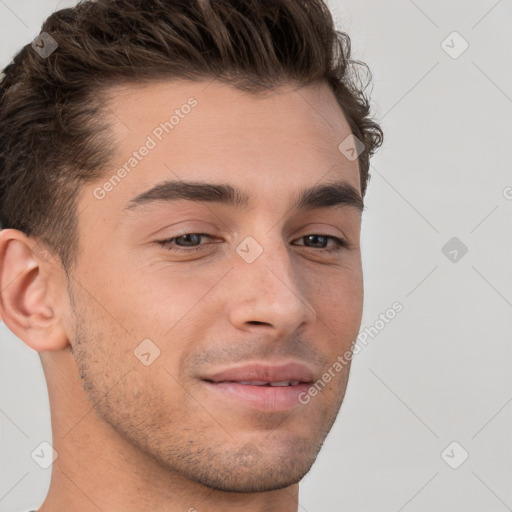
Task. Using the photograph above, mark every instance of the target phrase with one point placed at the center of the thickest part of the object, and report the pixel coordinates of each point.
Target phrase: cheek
(337, 298)
(117, 380)
(152, 303)
(101, 347)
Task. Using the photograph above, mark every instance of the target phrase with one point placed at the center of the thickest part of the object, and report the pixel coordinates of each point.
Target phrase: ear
(28, 296)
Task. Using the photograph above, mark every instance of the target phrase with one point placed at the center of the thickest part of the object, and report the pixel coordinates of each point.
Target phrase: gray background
(440, 370)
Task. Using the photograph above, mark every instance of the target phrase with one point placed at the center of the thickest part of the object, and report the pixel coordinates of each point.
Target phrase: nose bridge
(269, 289)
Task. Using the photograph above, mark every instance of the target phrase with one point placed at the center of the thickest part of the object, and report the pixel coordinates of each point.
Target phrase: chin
(249, 469)
(255, 478)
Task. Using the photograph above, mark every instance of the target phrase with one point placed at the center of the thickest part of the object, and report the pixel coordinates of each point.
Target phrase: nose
(271, 291)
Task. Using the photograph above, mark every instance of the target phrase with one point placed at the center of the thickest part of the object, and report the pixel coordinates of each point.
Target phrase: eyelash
(166, 244)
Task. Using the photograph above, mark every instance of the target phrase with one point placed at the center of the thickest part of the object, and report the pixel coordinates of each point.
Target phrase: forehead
(145, 102)
(208, 131)
(215, 116)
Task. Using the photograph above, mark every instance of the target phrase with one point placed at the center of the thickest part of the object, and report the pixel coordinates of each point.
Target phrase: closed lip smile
(264, 386)
(263, 372)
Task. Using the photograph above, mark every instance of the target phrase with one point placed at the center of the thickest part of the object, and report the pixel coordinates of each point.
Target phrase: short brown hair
(52, 137)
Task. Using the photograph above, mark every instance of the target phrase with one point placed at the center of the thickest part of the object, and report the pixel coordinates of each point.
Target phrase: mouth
(270, 388)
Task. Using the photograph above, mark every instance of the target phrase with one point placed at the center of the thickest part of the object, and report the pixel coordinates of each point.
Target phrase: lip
(263, 372)
(234, 384)
(262, 398)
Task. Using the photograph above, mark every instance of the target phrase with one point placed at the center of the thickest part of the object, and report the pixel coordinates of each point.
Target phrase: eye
(320, 242)
(185, 243)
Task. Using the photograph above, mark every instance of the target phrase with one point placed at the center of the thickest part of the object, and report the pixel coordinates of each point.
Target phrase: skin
(132, 437)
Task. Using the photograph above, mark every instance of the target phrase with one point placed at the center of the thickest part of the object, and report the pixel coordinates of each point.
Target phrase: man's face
(258, 300)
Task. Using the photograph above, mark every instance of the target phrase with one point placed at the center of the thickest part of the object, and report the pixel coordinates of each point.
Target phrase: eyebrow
(332, 194)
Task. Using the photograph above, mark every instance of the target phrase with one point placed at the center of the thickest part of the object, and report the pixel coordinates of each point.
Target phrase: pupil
(189, 238)
(315, 238)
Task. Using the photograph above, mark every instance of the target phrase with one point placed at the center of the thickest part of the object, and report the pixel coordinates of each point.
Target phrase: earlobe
(27, 306)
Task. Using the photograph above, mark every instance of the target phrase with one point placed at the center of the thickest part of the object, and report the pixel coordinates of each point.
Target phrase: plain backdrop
(426, 424)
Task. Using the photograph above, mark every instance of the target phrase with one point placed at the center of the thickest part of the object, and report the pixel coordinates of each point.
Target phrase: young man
(181, 192)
